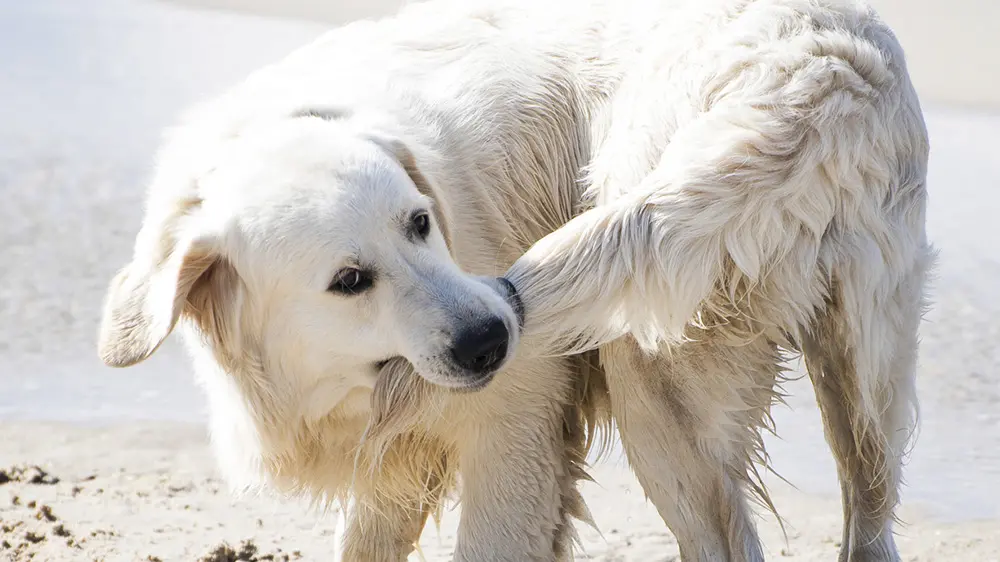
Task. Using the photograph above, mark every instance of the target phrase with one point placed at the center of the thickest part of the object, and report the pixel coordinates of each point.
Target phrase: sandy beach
(99, 464)
(148, 492)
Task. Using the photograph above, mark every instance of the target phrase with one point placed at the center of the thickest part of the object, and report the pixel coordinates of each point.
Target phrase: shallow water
(84, 93)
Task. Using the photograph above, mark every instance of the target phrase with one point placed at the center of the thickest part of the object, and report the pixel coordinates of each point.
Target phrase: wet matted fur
(674, 194)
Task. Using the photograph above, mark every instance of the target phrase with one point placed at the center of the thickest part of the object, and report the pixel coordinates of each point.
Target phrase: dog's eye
(351, 281)
(421, 223)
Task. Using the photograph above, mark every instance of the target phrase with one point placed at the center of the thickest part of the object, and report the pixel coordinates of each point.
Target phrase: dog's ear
(402, 153)
(146, 298)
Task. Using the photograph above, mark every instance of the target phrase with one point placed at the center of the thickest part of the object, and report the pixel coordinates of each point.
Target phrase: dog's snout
(482, 347)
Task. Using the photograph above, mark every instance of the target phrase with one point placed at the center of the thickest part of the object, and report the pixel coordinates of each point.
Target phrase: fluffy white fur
(678, 193)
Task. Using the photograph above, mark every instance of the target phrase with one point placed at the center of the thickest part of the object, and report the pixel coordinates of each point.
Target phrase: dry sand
(149, 492)
(125, 473)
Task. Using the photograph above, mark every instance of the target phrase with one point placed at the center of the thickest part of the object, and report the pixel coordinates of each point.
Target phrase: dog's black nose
(482, 347)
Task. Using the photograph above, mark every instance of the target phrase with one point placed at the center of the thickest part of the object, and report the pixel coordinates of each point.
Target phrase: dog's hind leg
(861, 356)
(689, 419)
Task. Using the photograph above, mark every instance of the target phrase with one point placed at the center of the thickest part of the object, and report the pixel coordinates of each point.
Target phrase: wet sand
(84, 97)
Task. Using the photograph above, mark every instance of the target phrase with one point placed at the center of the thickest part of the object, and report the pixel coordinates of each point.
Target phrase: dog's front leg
(514, 473)
(382, 531)
(389, 512)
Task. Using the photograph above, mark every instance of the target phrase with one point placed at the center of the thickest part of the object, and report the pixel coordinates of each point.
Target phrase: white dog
(746, 177)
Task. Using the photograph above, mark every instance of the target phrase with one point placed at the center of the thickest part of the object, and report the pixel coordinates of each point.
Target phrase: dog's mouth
(379, 365)
(473, 385)
(506, 290)
(509, 293)
(458, 384)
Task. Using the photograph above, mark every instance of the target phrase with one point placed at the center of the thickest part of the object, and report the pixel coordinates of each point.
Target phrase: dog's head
(319, 243)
